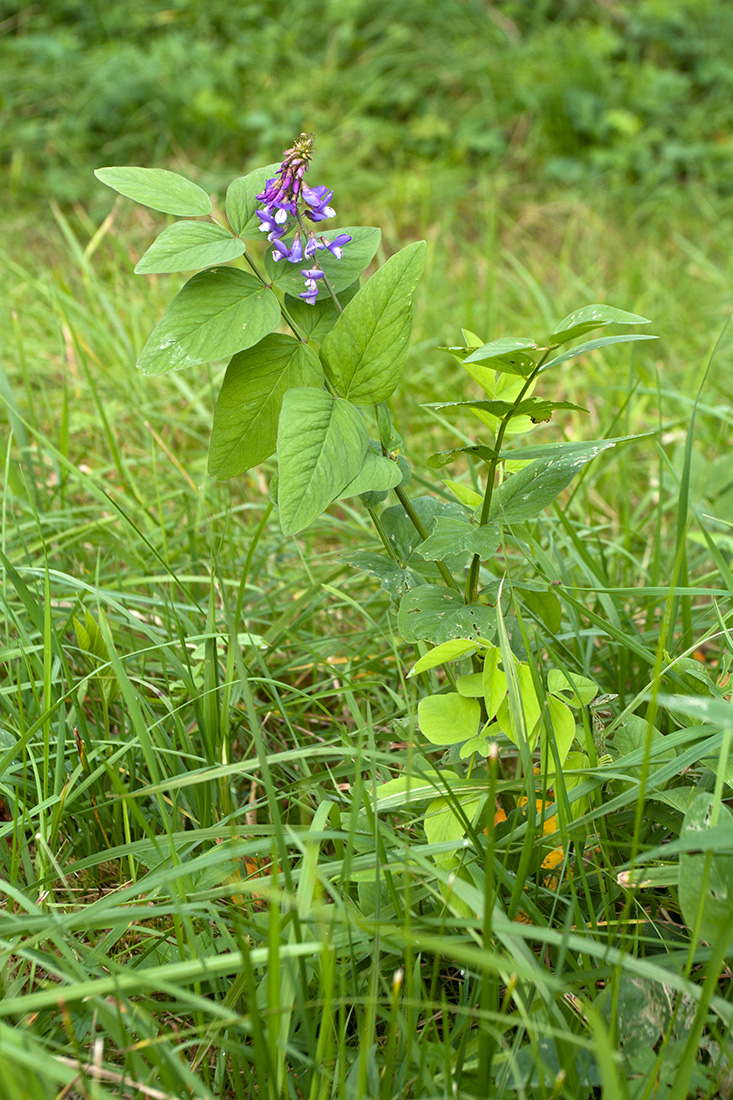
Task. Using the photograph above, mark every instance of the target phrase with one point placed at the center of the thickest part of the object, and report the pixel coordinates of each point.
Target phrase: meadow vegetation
(217, 881)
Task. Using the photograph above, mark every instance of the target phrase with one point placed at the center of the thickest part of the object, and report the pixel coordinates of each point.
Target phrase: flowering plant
(316, 397)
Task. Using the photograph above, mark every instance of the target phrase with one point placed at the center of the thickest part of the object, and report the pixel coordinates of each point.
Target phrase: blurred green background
(576, 92)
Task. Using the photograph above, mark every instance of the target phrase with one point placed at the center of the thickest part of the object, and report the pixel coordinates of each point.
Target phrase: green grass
(205, 895)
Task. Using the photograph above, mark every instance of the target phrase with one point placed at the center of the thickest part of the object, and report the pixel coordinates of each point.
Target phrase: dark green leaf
(185, 246)
(602, 342)
(435, 614)
(158, 189)
(357, 256)
(248, 409)
(365, 352)
(589, 317)
(399, 530)
(241, 200)
(321, 443)
(561, 450)
(393, 579)
(216, 314)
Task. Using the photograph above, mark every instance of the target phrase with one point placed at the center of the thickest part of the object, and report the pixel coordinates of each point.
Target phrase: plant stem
(473, 572)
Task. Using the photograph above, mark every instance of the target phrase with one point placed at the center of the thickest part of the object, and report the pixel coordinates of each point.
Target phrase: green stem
(473, 572)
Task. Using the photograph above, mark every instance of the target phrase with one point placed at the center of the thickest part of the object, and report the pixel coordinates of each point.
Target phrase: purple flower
(270, 225)
(318, 199)
(312, 273)
(335, 247)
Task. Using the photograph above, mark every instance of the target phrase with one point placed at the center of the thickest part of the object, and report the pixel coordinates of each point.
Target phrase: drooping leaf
(593, 345)
(706, 878)
(248, 408)
(185, 246)
(525, 494)
(535, 408)
(321, 444)
(478, 450)
(590, 317)
(241, 201)
(455, 536)
(442, 654)
(377, 474)
(357, 256)
(392, 578)
(365, 352)
(435, 614)
(448, 719)
(216, 314)
(157, 188)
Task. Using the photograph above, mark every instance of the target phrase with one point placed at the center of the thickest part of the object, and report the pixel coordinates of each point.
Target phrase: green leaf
(589, 317)
(321, 444)
(448, 719)
(185, 246)
(399, 530)
(530, 705)
(542, 602)
(316, 321)
(632, 736)
(593, 345)
(465, 494)
(435, 614)
(526, 493)
(442, 654)
(471, 685)
(392, 578)
(535, 408)
(563, 733)
(358, 254)
(216, 314)
(378, 473)
(575, 690)
(365, 352)
(504, 355)
(443, 825)
(241, 200)
(706, 879)
(248, 409)
(455, 536)
(494, 682)
(158, 189)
